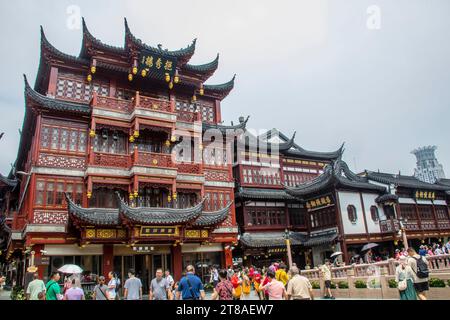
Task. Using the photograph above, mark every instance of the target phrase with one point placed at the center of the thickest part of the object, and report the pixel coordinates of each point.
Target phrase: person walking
(404, 276)
(275, 289)
(190, 286)
(113, 286)
(299, 287)
(326, 273)
(214, 276)
(133, 287)
(74, 292)
(160, 288)
(420, 268)
(35, 287)
(236, 281)
(246, 287)
(224, 289)
(52, 289)
(281, 274)
(100, 291)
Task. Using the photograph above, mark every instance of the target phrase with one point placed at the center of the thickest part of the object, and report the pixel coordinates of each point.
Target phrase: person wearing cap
(404, 274)
(100, 291)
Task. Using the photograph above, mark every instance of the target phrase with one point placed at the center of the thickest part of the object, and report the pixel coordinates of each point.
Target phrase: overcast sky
(314, 67)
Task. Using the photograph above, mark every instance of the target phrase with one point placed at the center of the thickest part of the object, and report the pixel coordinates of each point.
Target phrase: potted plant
(360, 284)
(315, 284)
(437, 283)
(18, 293)
(342, 285)
(392, 283)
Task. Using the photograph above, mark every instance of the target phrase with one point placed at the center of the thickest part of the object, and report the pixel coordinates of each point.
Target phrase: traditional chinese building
(421, 207)
(112, 152)
(372, 207)
(265, 212)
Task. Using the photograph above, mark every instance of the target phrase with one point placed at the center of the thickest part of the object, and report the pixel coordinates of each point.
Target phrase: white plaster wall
(369, 200)
(351, 198)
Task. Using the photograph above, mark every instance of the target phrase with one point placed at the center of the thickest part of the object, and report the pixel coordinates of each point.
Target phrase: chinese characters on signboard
(156, 63)
(425, 195)
(159, 231)
(319, 202)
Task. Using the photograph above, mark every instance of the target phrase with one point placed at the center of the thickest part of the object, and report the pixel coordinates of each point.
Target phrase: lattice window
(441, 212)
(425, 212)
(63, 138)
(50, 192)
(75, 88)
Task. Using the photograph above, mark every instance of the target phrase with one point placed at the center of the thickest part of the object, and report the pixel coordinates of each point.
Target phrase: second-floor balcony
(394, 226)
(152, 159)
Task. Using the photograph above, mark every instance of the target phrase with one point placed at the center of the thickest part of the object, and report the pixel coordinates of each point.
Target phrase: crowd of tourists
(274, 282)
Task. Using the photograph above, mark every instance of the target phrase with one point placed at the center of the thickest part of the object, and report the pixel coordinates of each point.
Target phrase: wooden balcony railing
(111, 160)
(389, 226)
(194, 168)
(152, 103)
(152, 159)
(112, 103)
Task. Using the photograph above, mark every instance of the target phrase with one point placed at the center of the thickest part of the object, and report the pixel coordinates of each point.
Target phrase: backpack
(422, 268)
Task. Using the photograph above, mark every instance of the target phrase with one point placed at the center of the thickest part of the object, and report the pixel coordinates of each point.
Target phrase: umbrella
(70, 268)
(338, 253)
(369, 246)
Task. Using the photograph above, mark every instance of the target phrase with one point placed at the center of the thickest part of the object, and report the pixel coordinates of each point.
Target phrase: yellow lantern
(200, 147)
(89, 77)
(202, 91)
(131, 139)
(144, 72)
(93, 69)
(176, 79)
(169, 198)
(136, 133)
(131, 196)
(173, 138)
(423, 241)
(167, 143)
(174, 196)
(130, 77)
(89, 194)
(134, 70)
(167, 77)
(194, 98)
(135, 194)
(171, 85)
(395, 242)
(92, 133)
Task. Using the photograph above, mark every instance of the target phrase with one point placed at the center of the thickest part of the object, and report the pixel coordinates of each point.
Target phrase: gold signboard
(196, 233)
(319, 202)
(425, 195)
(151, 231)
(94, 233)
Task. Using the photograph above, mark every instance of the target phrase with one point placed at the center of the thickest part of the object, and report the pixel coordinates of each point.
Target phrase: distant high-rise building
(428, 168)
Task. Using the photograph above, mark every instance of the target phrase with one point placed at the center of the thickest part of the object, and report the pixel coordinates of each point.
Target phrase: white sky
(310, 66)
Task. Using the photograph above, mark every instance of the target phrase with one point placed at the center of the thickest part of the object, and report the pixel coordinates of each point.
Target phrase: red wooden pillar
(108, 259)
(177, 262)
(228, 255)
(37, 259)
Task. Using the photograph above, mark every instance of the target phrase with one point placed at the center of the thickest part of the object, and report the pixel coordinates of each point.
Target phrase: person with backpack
(421, 271)
(224, 289)
(52, 289)
(190, 286)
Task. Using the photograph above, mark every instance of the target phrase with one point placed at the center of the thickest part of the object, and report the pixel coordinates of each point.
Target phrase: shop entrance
(145, 266)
